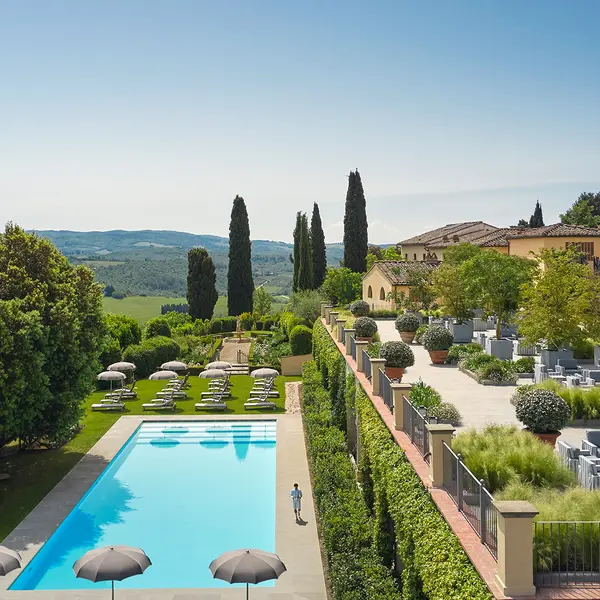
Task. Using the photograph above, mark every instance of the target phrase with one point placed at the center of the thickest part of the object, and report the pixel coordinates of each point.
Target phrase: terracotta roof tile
(556, 230)
(398, 271)
(447, 230)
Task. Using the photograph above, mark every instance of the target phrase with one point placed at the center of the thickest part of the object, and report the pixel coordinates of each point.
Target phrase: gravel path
(230, 349)
(293, 391)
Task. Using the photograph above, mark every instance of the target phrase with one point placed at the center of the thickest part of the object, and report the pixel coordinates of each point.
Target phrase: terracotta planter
(364, 339)
(394, 372)
(547, 438)
(438, 357)
(407, 336)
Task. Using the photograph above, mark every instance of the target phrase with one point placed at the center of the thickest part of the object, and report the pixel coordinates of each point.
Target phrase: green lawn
(35, 473)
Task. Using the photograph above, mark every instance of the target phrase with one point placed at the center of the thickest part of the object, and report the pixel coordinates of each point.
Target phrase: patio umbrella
(265, 372)
(111, 563)
(218, 364)
(174, 365)
(111, 376)
(121, 366)
(9, 560)
(213, 374)
(247, 566)
(159, 375)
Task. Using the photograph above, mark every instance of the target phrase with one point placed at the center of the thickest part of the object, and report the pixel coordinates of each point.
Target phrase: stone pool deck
(297, 545)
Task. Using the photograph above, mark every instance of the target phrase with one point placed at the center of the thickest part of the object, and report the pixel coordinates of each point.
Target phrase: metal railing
(414, 427)
(472, 499)
(352, 346)
(566, 553)
(343, 335)
(385, 388)
(366, 365)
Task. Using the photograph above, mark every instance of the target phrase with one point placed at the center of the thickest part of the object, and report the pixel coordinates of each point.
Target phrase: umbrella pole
(113, 589)
(246, 592)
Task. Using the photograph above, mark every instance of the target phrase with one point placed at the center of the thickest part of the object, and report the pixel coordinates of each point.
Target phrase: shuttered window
(586, 248)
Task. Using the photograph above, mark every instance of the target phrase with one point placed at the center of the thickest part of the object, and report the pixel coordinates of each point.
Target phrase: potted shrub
(437, 341)
(365, 328)
(360, 308)
(543, 412)
(420, 333)
(398, 356)
(407, 325)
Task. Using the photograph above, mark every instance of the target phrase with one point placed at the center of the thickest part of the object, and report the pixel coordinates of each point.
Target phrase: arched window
(382, 294)
(370, 292)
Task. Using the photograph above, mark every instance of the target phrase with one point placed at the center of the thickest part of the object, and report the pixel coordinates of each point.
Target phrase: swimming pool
(184, 492)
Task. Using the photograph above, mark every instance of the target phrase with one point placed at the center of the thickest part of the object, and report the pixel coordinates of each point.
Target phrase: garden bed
(485, 381)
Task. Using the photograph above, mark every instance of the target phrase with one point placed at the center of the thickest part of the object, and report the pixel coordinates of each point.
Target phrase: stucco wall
(376, 281)
(524, 246)
(292, 365)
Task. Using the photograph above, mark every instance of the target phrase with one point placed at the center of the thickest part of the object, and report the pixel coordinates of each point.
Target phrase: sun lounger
(175, 394)
(260, 402)
(160, 404)
(108, 405)
(178, 383)
(269, 393)
(211, 393)
(210, 404)
(123, 393)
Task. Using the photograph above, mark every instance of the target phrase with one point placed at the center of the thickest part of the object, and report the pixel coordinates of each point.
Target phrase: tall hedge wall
(400, 513)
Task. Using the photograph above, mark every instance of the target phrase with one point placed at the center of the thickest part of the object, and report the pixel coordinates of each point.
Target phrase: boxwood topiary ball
(542, 411)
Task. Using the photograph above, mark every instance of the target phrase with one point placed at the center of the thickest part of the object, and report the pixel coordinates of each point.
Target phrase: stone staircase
(239, 369)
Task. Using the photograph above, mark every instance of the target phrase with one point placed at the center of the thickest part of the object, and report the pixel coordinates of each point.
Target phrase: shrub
(397, 354)
(288, 322)
(474, 362)
(175, 318)
(301, 340)
(383, 314)
(342, 286)
(461, 351)
(246, 321)
(420, 333)
(373, 349)
(525, 364)
(583, 350)
(157, 326)
(365, 327)
(216, 326)
(503, 454)
(498, 372)
(422, 394)
(445, 413)
(360, 308)
(407, 323)
(437, 338)
(306, 305)
(151, 353)
(229, 324)
(125, 329)
(542, 411)
(111, 351)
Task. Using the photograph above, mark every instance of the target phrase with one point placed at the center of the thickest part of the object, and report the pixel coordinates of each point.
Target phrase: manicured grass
(141, 308)
(35, 473)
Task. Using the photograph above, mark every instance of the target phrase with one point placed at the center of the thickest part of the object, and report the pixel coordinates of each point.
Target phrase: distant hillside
(154, 263)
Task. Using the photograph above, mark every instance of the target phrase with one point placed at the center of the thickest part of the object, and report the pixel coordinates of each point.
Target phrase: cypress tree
(317, 239)
(201, 284)
(296, 257)
(537, 218)
(355, 226)
(305, 274)
(240, 285)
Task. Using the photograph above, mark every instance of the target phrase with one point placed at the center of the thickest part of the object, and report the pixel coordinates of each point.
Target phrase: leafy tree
(537, 218)
(305, 275)
(240, 285)
(60, 310)
(123, 328)
(376, 253)
(451, 283)
(159, 326)
(496, 280)
(342, 285)
(109, 290)
(355, 226)
(559, 302)
(421, 295)
(110, 352)
(261, 302)
(306, 305)
(460, 253)
(201, 284)
(295, 259)
(523, 223)
(585, 211)
(319, 254)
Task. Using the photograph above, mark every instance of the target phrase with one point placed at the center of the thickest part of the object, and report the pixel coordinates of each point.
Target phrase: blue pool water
(184, 492)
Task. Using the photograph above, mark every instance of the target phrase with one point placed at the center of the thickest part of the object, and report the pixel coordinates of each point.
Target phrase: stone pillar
(348, 333)
(324, 305)
(333, 315)
(515, 547)
(399, 390)
(327, 309)
(360, 346)
(340, 327)
(438, 434)
(377, 367)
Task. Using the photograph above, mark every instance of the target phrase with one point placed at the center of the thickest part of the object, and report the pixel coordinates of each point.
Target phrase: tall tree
(537, 218)
(305, 274)
(319, 254)
(202, 292)
(585, 211)
(296, 257)
(240, 285)
(355, 226)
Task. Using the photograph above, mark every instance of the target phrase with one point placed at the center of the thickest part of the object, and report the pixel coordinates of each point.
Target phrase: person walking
(296, 495)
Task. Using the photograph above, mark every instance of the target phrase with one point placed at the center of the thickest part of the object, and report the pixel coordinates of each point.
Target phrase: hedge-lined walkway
(478, 404)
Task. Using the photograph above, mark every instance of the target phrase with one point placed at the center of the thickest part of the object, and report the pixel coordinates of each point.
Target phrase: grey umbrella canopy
(9, 560)
(111, 376)
(213, 374)
(265, 372)
(174, 365)
(121, 366)
(247, 566)
(159, 375)
(111, 563)
(219, 364)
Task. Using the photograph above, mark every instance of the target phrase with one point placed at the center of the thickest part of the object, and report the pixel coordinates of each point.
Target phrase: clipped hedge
(150, 354)
(301, 340)
(288, 321)
(355, 570)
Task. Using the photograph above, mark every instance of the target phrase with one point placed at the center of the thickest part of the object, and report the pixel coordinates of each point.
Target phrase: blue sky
(154, 114)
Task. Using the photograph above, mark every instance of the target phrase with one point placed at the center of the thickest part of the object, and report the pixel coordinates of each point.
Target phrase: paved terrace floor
(478, 404)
